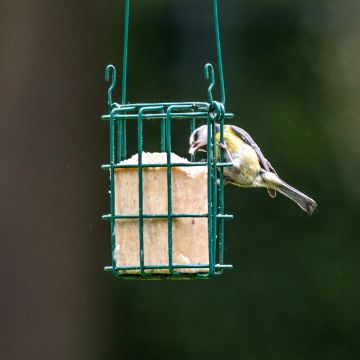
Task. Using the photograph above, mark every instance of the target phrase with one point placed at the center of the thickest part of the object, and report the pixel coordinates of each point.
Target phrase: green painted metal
(192, 112)
(126, 40)
(165, 216)
(195, 163)
(122, 124)
(218, 50)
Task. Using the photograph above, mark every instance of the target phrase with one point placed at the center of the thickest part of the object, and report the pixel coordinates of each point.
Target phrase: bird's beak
(196, 146)
(192, 149)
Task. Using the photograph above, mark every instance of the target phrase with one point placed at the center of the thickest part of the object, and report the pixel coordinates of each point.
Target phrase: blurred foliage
(292, 80)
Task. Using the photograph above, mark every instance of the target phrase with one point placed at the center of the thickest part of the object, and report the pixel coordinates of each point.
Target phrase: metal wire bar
(164, 216)
(125, 56)
(140, 186)
(162, 135)
(192, 128)
(152, 165)
(218, 49)
(119, 125)
(214, 188)
(110, 72)
(140, 180)
(169, 114)
(112, 195)
(122, 136)
(169, 185)
(122, 125)
(195, 104)
(199, 115)
(209, 181)
(221, 196)
(175, 266)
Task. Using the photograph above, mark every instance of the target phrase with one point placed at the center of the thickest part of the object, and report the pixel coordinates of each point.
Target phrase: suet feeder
(166, 212)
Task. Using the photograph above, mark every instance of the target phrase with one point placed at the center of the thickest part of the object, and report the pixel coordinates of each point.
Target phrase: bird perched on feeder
(250, 167)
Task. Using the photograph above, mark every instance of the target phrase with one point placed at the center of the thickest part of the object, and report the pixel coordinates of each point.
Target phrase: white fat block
(189, 195)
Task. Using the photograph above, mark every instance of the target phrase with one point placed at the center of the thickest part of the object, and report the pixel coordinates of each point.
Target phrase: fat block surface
(189, 195)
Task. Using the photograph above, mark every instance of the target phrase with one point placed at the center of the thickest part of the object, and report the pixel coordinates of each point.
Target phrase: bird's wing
(264, 163)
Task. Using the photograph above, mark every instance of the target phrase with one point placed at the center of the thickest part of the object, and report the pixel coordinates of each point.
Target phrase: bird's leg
(226, 181)
(225, 148)
(236, 162)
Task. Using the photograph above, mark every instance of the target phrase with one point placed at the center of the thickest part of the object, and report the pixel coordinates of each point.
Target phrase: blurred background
(292, 76)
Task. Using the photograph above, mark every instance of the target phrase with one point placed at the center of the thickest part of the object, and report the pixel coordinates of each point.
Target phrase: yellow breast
(243, 154)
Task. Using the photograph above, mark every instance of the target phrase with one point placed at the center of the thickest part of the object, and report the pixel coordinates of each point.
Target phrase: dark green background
(292, 78)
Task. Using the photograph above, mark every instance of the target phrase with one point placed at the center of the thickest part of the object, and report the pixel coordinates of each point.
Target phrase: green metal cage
(194, 113)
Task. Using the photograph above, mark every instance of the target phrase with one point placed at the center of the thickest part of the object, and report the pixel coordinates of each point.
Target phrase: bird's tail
(305, 202)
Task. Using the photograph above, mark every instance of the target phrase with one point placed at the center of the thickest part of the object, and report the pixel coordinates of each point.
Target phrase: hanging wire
(122, 123)
(218, 49)
(126, 37)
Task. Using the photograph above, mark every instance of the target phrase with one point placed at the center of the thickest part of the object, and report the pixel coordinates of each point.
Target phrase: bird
(250, 167)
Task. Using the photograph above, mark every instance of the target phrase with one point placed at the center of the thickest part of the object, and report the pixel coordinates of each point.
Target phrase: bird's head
(198, 139)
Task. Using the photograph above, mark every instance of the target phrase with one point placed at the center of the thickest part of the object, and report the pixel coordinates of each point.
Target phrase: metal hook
(217, 113)
(110, 69)
(209, 73)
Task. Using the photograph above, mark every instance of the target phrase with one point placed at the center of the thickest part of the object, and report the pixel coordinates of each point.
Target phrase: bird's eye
(196, 135)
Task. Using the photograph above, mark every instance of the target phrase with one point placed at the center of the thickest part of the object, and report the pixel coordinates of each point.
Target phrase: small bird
(250, 167)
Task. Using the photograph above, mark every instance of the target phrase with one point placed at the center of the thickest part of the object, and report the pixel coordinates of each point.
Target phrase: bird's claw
(221, 145)
(226, 181)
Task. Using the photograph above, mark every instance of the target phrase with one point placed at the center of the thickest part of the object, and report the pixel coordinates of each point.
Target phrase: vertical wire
(112, 194)
(223, 98)
(169, 187)
(126, 37)
(215, 201)
(218, 48)
(192, 128)
(210, 178)
(123, 142)
(140, 191)
(119, 142)
(140, 185)
(163, 135)
(221, 195)
(124, 76)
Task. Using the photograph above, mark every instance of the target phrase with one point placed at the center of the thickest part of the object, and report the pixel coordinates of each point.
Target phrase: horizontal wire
(164, 165)
(164, 216)
(175, 266)
(179, 115)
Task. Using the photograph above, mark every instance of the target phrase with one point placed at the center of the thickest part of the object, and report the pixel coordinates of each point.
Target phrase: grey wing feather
(265, 164)
(249, 140)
